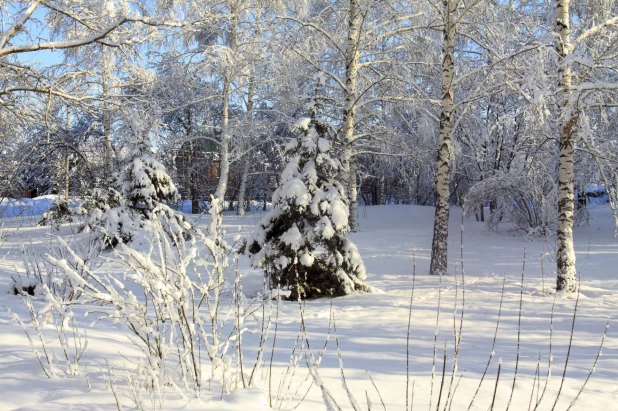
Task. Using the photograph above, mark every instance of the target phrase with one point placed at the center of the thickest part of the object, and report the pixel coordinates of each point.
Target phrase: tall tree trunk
(565, 258)
(192, 178)
(67, 170)
(67, 167)
(243, 186)
(352, 195)
(349, 109)
(247, 158)
(224, 149)
(381, 187)
(107, 120)
(265, 201)
(439, 245)
(195, 204)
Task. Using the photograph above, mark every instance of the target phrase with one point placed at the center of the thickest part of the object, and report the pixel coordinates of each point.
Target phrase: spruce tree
(59, 212)
(144, 186)
(144, 182)
(301, 244)
(95, 202)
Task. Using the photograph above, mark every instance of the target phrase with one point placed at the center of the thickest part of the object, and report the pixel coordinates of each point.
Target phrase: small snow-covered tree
(59, 212)
(144, 181)
(301, 244)
(94, 205)
(145, 186)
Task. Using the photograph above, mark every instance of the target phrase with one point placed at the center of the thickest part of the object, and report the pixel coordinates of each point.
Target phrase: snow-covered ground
(25, 207)
(371, 328)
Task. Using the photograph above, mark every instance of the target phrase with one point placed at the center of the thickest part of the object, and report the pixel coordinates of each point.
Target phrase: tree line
(506, 108)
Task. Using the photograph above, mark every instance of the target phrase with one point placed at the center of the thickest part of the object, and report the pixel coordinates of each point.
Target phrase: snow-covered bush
(59, 212)
(527, 201)
(48, 282)
(301, 244)
(178, 317)
(40, 277)
(73, 343)
(94, 204)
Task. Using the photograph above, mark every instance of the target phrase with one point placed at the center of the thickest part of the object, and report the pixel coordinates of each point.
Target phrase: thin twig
(408, 334)
(594, 366)
(534, 381)
(566, 361)
(521, 301)
(378, 391)
(493, 346)
(550, 357)
(435, 342)
(443, 375)
(493, 400)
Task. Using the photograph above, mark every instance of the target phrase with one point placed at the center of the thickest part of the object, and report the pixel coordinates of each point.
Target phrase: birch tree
(228, 76)
(439, 245)
(565, 258)
(464, 81)
(246, 158)
(591, 83)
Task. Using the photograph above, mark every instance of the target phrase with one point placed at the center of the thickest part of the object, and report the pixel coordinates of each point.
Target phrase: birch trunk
(67, 174)
(439, 246)
(381, 187)
(565, 258)
(352, 195)
(192, 179)
(107, 121)
(224, 149)
(247, 158)
(67, 166)
(349, 108)
(243, 186)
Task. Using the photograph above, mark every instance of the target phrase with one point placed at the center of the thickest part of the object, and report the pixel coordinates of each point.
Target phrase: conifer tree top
(144, 180)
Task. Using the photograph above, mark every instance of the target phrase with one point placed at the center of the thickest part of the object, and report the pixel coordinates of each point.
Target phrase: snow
(25, 207)
(293, 189)
(292, 237)
(323, 145)
(303, 123)
(370, 328)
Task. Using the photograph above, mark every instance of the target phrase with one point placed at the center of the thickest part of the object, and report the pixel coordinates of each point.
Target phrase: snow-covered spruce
(59, 212)
(301, 244)
(144, 187)
(94, 205)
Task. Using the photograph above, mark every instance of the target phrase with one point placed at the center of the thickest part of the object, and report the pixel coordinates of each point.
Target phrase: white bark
(107, 121)
(16, 27)
(247, 159)
(224, 148)
(349, 109)
(243, 186)
(439, 246)
(441, 191)
(565, 258)
(67, 168)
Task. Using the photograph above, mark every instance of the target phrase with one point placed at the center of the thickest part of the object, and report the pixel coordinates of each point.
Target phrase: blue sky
(38, 32)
